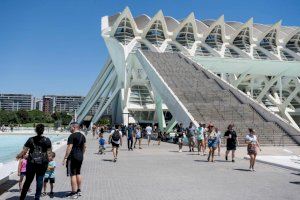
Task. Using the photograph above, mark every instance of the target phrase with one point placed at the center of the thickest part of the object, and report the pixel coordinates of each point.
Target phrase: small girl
(22, 168)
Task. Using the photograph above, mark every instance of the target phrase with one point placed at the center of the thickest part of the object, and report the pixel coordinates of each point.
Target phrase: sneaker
(43, 194)
(79, 193)
(226, 157)
(233, 160)
(51, 194)
(72, 195)
(115, 159)
(180, 151)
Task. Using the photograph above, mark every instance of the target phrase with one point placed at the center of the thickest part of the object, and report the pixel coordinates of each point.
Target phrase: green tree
(23, 116)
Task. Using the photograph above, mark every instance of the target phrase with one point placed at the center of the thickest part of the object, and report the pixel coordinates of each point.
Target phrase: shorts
(149, 137)
(73, 167)
(251, 149)
(231, 148)
(115, 144)
(23, 174)
(212, 143)
(52, 180)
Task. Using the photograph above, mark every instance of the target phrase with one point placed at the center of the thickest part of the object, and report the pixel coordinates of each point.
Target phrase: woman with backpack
(40, 149)
(115, 139)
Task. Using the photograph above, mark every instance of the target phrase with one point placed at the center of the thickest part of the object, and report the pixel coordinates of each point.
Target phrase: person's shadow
(17, 198)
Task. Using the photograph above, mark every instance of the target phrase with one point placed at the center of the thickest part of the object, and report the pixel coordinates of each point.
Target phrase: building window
(140, 95)
(156, 34)
(242, 40)
(171, 48)
(294, 43)
(286, 56)
(258, 54)
(231, 53)
(140, 45)
(185, 36)
(124, 32)
(214, 39)
(202, 51)
(269, 41)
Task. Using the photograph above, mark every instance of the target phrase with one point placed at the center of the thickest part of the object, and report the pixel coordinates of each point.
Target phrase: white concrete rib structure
(263, 61)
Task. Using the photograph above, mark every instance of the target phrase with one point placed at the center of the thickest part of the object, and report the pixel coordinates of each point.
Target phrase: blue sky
(55, 47)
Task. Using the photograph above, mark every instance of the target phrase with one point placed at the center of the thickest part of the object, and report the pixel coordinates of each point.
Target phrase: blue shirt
(50, 173)
(102, 141)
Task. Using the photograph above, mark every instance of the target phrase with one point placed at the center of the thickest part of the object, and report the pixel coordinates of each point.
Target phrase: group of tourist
(37, 160)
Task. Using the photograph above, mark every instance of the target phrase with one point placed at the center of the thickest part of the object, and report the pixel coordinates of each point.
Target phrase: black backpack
(38, 156)
(116, 136)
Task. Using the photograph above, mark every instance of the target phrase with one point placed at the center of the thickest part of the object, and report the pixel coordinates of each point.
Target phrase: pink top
(23, 165)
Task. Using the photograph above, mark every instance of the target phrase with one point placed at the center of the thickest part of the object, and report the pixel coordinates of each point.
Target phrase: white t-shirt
(251, 138)
(149, 130)
(116, 142)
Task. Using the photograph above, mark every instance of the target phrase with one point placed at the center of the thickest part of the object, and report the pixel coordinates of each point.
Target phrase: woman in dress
(252, 145)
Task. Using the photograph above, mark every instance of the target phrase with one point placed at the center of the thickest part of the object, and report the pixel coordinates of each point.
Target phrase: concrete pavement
(161, 173)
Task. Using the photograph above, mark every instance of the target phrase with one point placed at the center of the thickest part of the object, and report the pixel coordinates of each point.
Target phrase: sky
(55, 47)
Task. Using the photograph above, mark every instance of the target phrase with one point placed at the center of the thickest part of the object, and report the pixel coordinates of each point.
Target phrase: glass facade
(294, 43)
(231, 53)
(258, 54)
(214, 39)
(242, 40)
(286, 56)
(202, 51)
(140, 95)
(124, 32)
(156, 34)
(185, 36)
(269, 41)
(171, 48)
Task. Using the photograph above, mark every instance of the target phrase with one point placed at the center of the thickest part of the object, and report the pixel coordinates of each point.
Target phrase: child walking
(50, 175)
(101, 144)
(22, 168)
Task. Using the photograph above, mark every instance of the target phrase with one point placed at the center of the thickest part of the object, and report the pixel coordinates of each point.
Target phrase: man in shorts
(73, 159)
(115, 138)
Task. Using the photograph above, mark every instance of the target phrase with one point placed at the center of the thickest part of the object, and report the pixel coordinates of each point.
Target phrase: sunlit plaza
(161, 72)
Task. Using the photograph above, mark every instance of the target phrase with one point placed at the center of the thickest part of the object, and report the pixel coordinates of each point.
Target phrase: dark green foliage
(33, 116)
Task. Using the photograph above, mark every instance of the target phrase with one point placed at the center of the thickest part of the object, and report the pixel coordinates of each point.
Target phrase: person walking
(130, 137)
(219, 139)
(149, 133)
(180, 132)
(138, 136)
(74, 158)
(211, 142)
(191, 136)
(115, 138)
(200, 139)
(252, 145)
(231, 142)
(40, 149)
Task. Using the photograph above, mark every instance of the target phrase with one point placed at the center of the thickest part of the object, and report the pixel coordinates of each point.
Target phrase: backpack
(38, 156)
(116, 136)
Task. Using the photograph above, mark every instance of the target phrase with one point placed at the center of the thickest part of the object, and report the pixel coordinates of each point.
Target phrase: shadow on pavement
(61, 195)
(295, 182)
(296, 174)
(17, 198)
(108, 160)
(243, 170)
(7, 185)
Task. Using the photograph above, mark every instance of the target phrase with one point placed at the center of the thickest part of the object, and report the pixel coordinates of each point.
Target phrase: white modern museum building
(162, 70)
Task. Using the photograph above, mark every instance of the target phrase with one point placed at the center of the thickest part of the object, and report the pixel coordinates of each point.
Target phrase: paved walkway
(161, 173)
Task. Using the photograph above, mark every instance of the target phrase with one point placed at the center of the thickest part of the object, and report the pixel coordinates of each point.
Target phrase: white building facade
(263, 61)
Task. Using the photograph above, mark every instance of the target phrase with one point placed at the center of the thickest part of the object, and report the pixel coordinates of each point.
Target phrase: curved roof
(141, 21)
